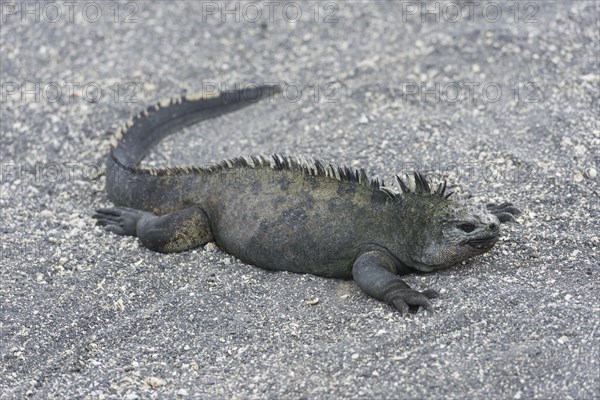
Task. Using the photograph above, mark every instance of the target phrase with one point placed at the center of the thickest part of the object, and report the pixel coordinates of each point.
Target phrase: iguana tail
(127, 182)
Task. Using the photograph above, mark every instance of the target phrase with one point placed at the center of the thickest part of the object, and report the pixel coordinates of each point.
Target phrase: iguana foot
(376, 274)
(119, 220)
(505, 212)
(177, 231)
(404, 299)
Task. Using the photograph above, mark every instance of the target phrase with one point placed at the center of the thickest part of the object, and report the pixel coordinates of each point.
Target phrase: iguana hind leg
(375, 273)
(177, 231)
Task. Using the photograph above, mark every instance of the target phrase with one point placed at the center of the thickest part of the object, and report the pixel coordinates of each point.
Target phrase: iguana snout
(453, 232)
(481, 235)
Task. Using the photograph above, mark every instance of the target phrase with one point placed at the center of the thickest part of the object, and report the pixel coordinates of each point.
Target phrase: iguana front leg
(177, 231)
(505, 212)
(375, 273)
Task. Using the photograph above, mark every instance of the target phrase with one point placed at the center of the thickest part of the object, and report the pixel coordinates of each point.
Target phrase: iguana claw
(403, 299)
(505, 212)
(119, 220)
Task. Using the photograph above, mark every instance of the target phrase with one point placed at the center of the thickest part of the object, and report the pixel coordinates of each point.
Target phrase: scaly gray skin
(290, 213)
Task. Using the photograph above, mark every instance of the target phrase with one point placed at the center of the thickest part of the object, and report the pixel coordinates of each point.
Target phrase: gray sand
(508, 110)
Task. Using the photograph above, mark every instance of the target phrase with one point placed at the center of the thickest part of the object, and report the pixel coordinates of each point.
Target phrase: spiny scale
(308, 166)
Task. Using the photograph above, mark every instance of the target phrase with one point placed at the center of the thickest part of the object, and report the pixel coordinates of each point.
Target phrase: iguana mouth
(482, 243)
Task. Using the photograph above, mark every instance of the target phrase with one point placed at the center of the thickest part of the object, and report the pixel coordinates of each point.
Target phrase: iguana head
(441, 231)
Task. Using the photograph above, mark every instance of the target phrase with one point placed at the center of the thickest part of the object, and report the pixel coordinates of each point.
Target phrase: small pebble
(590, 173)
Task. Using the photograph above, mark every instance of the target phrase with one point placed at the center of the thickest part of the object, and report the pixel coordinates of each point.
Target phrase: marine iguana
(290, 213)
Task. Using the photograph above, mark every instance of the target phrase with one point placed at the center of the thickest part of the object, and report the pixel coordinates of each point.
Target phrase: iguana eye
(466, 227)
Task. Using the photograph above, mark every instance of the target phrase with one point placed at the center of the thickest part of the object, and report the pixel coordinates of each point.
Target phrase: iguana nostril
(493, 226)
